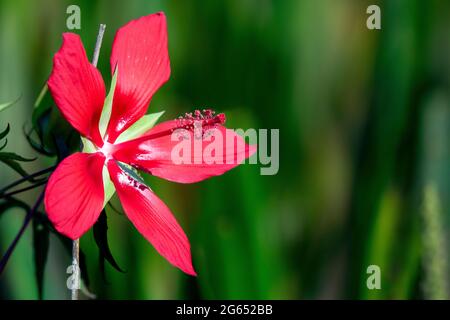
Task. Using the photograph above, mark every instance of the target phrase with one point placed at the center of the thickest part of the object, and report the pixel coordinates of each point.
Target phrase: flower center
(107, 149)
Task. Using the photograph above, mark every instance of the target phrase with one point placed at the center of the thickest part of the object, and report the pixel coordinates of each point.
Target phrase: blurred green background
(364, 123)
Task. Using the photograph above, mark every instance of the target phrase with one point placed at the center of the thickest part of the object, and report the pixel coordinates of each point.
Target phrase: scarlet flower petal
(74, 194)
(77, 88)
(153, 153)
(141, 55)
(152, 219)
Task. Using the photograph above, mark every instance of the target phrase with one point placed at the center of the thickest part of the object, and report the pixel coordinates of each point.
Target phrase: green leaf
(5, 132)
(38, 146)
(40, 245)
(115, 209)
(41, 96)
(39, 108)
(47, 125)
(101, 239)
(41, 113)
(13, 164)
(108, 186)
(133, 173)
(15, 157)
(107, 107)
(12, 160)
(4, 145)
(4, 106)
(139, 127)
(88, 146)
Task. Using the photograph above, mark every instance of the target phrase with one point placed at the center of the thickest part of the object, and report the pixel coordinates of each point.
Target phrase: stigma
(206, 119)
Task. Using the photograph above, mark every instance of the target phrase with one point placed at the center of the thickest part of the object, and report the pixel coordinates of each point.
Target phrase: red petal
(77, 88)
(153, 219)
(152, 153)
(74, 194)
(141, 55)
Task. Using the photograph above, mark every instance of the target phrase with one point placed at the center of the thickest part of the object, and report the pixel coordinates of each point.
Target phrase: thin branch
(25, 179)
(26, 221)
(23, 189)
(76, 243)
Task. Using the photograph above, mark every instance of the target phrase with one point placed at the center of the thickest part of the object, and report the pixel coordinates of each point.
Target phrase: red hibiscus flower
(119, 138)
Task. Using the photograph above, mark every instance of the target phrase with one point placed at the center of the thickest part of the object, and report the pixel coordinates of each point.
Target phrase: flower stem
(76, 243)
(98, 44)
(76, 266)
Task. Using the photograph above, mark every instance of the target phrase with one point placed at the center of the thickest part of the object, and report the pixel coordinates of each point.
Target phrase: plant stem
(98, 44)
(76, 267)
(76, 243)
(25, 179)
(23, 189)
(26, 221)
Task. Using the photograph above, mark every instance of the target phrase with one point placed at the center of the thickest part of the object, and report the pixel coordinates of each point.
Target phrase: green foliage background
(364, 123)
